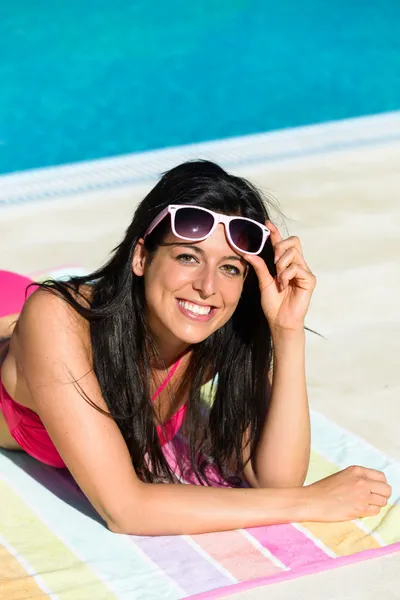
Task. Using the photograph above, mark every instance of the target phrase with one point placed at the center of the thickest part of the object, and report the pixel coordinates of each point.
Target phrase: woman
(105, 374)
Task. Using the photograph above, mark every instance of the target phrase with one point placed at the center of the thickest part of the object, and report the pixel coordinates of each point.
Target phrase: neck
(169, 354)
(169, 348)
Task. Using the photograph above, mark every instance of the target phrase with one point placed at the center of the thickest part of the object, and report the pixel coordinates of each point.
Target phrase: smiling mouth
(196, 312)
(196, 309)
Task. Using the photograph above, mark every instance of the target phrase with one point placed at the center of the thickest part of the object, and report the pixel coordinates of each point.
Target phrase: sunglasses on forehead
(195, 224)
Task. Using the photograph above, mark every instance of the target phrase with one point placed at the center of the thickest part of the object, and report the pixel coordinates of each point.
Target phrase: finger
(265, 278)
(303, 278)
(377, 500)
(375, 474)
(290, 242)
(371, 511)
(275, 233)
(290, 256)
(381, 488)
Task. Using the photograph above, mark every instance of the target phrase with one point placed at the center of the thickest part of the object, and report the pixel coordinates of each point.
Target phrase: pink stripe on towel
(233, 551)
(324, 565)
(288, 544)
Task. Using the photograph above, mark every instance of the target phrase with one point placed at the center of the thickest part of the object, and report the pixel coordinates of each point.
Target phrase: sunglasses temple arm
(156, 221)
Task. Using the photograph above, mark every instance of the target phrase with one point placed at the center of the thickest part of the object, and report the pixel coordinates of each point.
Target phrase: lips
(185, 305)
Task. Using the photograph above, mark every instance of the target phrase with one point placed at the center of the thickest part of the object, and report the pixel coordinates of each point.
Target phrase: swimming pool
(131, 76)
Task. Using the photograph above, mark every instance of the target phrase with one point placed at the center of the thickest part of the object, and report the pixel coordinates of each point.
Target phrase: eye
(231, 270)
(186, 258)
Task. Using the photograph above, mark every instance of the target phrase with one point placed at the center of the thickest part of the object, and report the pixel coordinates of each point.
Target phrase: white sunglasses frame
(218, 218)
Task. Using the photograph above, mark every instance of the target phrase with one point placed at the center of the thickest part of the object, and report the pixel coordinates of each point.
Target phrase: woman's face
(191, 288)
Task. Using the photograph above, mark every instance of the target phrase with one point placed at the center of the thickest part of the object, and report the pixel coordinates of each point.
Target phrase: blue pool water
(83, 80)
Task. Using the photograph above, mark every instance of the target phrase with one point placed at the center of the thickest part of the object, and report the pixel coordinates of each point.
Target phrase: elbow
(117, 528)
(132, 517)
(113, 521)
(130, 527)
(139, 527)
(133, 523)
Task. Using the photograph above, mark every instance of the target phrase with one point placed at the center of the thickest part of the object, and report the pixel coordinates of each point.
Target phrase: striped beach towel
(53, 544)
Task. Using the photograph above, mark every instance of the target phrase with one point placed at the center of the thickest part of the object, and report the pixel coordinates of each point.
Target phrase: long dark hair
(240, 352)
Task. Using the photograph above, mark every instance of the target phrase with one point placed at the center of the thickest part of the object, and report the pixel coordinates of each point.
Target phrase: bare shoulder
(50, 327)
(49, 317)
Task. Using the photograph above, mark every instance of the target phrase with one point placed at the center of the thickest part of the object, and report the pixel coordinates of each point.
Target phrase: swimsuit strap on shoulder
(168, 377)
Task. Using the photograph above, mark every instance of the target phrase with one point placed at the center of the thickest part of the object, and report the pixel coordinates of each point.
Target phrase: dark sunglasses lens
(246, 235)
(193, 223)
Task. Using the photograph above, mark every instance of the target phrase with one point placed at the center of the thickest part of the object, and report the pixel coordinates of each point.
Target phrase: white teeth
(194, 308)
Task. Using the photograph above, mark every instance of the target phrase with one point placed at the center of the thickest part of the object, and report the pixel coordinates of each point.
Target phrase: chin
(192, 335)
(192, 338)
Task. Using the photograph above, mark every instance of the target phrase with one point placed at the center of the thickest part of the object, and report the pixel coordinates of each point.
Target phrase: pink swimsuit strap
(168, 377)
(168, 430)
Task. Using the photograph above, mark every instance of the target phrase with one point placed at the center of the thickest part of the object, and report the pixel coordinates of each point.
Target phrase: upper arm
(51, 353)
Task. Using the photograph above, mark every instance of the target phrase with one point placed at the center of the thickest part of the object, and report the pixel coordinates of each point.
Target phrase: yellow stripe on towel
(15, 582)
(343, 538)
(62, 572)
(386, 524)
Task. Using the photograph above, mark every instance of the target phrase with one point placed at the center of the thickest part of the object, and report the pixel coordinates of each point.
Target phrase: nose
(205, 282)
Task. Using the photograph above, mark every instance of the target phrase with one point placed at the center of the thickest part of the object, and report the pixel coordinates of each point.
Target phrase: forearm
(172, 509)
(283, 453)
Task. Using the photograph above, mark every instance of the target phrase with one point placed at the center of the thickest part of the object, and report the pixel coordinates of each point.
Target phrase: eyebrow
(201, 251)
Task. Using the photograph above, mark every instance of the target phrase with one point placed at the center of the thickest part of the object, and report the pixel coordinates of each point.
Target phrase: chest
(167, 395)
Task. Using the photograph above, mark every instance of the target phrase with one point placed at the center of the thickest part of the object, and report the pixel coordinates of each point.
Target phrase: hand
(285, 298)
(353, 493)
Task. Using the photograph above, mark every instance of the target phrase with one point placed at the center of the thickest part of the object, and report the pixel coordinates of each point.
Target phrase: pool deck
(344, 204)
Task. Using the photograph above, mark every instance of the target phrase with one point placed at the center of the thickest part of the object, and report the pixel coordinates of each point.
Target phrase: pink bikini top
(172, 426)
(29, 432)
